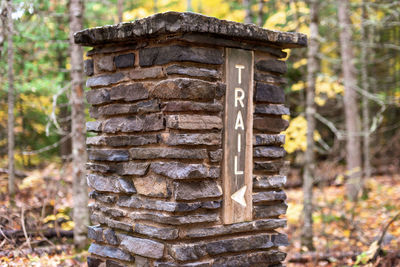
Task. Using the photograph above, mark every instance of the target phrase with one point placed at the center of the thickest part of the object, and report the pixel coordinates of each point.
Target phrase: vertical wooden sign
(238, 136)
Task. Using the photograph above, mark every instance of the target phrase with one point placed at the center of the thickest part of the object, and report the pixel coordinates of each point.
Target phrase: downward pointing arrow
(238, 196)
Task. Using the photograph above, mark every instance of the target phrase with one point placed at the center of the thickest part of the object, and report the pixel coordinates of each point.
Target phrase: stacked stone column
(157, 99)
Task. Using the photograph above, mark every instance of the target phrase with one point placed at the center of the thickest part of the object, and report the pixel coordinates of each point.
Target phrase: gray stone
(268, 78)
(152, 186)
(175, 219)
(105, 63)
(95, 217)
(211, 205)
(95, 232)
(156, 232)
(184, 88)
(272, 65)
(138, 123)
(129, 92)
(108, 154)
(106, 79)
(196, 190)
(268, 139)
(110, 252)
(88, 67)
(143, 247)
(192, 71)
(194, 122)
(268, 196)
(268, 166)
(98, 96)
(94, 262)
(141, 108)
(269, 93)
(176, 22)
(147, 73)
(125, 60)
(102, 197)
(110, 184)
(145, 203)
(96, 167)
(215, 156)
(111, 263)
(141, 261)
(123, 140)
(132, 168)
(271, 109)
(267, 182)
(269, 152)
(270, 124)
(191, 106)
(93, 126)
(167, 153)
(261, 225)
(209, 139)
(221, 90)
(207, 263)
(261, 258)
(178, 170)
(110, 237)
(280, 240)
(116, 213)
(270, 210)
(177, 53)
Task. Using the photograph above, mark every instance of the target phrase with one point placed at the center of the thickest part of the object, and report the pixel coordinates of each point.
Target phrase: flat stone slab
(186, 22)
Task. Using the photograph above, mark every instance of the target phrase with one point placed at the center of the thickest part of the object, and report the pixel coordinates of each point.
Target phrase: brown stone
(272, 65)
(177, 170)
(210, 139)
(167, 153)
(184, 88)
(194, 122)
(138, 123)
(270, 124)
(129, 92)
(147, 73)
(191, 106)
(152, 185)
(196, 190)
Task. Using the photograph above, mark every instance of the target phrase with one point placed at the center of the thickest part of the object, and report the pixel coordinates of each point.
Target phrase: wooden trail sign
(238, 136)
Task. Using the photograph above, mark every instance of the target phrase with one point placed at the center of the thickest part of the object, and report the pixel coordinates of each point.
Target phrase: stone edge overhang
(186, 22)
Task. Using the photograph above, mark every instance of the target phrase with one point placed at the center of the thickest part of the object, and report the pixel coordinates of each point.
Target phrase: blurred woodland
(343, 141)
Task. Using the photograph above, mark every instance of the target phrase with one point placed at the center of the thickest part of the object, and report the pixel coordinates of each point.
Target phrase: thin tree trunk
(10, 135)
(189, 5)
(120, 7)
(365, 86)
(353, 146)
(260, 18)
(247, 6)
(309, 166)
(80, 194)
(155, 8)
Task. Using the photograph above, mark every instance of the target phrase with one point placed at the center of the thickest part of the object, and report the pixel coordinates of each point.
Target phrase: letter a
(239, 121)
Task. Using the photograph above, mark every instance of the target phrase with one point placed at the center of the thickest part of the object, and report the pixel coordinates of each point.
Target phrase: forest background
(346, 228)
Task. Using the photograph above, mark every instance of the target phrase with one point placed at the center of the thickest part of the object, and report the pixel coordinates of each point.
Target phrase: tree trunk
(353, 146)
(155, 8)
(120, 6)
(365, 86)
(189, 5)
(260, 18)
(10, 135)
(80, 194)
(247, 6)
(309, 166)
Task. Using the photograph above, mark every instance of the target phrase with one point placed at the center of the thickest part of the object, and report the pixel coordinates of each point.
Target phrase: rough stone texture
(111, 237)
(215, 156)
(105, 63)
(98, 96)
(146, 73)
(270, 124)
(111, 263)
(110, 252)
(192, 71)
(191, 106)
(110, 184)
(272, 65)
(268, 166)
(157, 232)
(268, 182)
(129, 92)
(102, 197)
(93, 126)
(269, 93)
(268, 196)
(88, 67)
(132, 168)
(178, 53)
(175, 22)
(108, 154)
(268, 152)
(152, 186)
(268, 139)
(125, 60)
(167, 153)
(252, 259)
(177, 170)
(143, 247)
(184, 88)
(106, 79)
(95, 217)
(209, 139)
(118, 109)
(123, 140)
(269, 211)
(194, 122)
(94, 262)
(196, 190)
(271, 109)
(95, 232)
(175, 219)
(98, 167)
(268, 78)
(138, 123)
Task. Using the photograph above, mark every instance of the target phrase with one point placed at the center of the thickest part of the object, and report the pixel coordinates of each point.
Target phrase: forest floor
(344, 231)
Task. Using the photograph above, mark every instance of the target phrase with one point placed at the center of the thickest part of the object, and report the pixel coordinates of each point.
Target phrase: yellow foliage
(33, 180)
(300, 63)
(296, 135)
(298, 86)
(68, 225)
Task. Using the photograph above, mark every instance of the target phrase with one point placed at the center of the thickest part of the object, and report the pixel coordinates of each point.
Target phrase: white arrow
(238, 196)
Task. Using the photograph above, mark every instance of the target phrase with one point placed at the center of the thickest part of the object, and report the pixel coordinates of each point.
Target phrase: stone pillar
(179, 177)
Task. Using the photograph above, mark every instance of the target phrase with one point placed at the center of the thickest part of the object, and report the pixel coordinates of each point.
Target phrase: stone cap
(186, 22)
